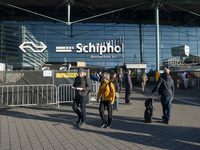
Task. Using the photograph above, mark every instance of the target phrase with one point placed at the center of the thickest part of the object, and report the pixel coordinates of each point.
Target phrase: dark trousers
(166, 105)
(82, 112)
(120, 87)
(102, 106)
(127, 95)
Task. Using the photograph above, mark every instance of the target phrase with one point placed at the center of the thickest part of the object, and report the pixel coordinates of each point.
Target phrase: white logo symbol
(27, 45)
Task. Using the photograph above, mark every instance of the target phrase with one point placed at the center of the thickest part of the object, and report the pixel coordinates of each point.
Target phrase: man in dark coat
(128, 86)
(81, 86)
(165, 86)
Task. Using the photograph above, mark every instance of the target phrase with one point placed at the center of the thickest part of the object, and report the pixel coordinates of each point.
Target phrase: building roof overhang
(172, 12)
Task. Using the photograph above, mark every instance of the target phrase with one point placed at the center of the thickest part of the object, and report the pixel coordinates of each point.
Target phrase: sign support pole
(157, 35)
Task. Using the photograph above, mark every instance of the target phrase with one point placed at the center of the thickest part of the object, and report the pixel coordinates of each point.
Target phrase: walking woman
(107, 94)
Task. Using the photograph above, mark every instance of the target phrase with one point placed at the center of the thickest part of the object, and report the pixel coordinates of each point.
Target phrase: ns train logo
(33, 47)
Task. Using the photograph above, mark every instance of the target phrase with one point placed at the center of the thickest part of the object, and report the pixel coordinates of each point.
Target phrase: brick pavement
(46, 127)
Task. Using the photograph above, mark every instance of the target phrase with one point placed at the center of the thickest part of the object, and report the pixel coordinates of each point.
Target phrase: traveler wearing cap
(165, 86)
(81, 86)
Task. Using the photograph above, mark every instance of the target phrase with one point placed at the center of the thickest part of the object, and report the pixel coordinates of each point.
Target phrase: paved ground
(46, 127)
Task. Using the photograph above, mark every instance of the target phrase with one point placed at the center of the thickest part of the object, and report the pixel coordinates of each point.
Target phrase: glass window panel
(131, 32)
(173, 43)
(147, 46)
(170, 33)
(130, 46)
(129, 51)
(96, 63)
(170, 38)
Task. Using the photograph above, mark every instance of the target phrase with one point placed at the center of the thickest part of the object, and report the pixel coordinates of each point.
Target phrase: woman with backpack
(107, 94)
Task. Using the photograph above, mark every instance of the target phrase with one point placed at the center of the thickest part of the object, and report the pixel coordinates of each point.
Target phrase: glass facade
(138, 41)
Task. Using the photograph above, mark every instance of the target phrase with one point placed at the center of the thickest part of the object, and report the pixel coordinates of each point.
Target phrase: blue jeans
(81, 113)
(166, 105)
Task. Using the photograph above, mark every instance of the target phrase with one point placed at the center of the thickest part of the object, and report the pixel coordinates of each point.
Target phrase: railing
(196, 60)
(20, 95)
(64, 93)
(94, 90)
(176, 62)
(194, 83)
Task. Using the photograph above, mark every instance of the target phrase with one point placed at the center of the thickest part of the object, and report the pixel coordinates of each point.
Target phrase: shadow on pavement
(124, 129)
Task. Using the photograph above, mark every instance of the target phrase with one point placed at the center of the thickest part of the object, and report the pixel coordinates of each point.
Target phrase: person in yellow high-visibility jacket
(107, 94)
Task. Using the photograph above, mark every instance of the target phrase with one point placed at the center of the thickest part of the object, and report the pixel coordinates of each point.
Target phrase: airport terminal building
(32, 43)
(43, 43)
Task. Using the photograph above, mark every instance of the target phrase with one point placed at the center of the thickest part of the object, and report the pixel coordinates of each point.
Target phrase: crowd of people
(109, 90)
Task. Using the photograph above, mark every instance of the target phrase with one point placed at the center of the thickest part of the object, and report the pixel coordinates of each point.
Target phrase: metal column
(68, 15)
(141, 43)
(157, 36)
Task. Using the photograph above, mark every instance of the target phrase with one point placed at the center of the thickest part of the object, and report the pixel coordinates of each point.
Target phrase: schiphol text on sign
(91, 48)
